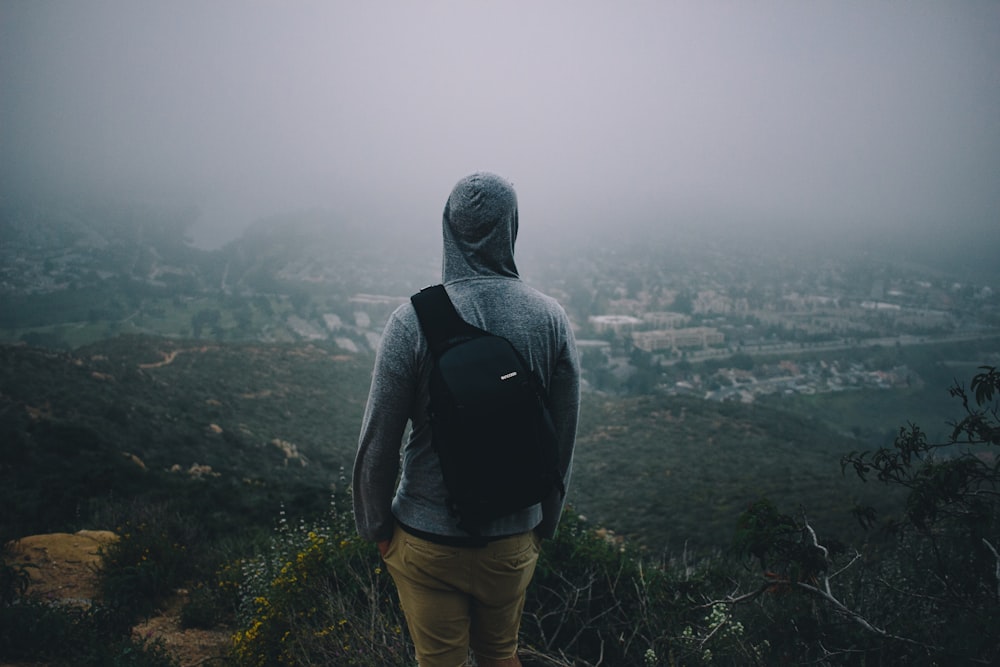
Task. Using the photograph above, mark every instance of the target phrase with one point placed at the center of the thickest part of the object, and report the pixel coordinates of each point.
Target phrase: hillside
(234, 431)
(672, 472)
(230, 430)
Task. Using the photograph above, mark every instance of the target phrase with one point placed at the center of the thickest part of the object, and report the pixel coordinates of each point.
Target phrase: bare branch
(854, 559)
(826, 553)
(746, 597)
(997, 557)
(844, 610)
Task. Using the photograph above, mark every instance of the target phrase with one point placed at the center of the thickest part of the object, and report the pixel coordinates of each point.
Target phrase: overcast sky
(847, 115)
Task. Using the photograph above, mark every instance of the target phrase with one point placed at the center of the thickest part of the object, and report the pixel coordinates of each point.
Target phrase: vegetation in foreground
(925, 589)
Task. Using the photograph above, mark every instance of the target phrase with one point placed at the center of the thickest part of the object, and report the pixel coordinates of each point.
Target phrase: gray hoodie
(479, 273)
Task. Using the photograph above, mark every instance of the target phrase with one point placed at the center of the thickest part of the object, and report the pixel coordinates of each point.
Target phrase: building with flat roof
(669, 339)
(666, 319)
(378, 299)
(617, 323)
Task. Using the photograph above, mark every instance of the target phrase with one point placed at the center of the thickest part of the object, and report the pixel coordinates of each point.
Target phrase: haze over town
(813, 119)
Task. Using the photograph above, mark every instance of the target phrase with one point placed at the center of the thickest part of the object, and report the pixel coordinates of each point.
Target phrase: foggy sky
(841, 115)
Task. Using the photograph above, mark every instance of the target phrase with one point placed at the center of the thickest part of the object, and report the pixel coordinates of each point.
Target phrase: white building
(617, 323)
(669, 339)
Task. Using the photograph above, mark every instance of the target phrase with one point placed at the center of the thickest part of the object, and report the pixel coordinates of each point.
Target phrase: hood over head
(479, 228)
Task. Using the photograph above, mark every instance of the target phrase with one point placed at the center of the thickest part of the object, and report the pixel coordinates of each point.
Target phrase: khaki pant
(455, 598)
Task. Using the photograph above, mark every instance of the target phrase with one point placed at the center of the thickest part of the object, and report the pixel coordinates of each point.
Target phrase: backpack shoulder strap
(439, 319)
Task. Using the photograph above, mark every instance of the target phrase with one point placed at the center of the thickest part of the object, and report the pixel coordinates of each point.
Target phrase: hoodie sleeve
(387, 412)
(564, 396)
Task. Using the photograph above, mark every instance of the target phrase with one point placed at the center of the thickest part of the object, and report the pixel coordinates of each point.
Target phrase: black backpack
(489, 415)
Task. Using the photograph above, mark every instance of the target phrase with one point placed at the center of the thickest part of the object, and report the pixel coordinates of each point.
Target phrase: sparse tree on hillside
(929, 593)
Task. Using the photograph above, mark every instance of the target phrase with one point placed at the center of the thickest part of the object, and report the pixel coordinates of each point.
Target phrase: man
(457, 594)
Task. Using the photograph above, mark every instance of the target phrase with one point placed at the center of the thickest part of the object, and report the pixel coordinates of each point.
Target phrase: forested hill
(233, 432)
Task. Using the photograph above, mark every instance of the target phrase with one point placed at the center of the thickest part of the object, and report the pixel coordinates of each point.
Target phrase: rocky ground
(63, 569)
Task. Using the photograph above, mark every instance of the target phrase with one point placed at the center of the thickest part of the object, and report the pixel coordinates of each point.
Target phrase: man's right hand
(383, 547)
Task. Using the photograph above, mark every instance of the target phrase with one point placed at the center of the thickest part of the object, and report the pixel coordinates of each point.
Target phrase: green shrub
(38, 631)
(146, 564)
(319, 596)
(926, 589)
(14, 580)
(203, 608)
(597, 600)
(214, 602)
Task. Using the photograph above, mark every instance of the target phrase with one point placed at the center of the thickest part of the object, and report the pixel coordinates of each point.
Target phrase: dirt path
(168, 358)
(63, 568)
(190, 646)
